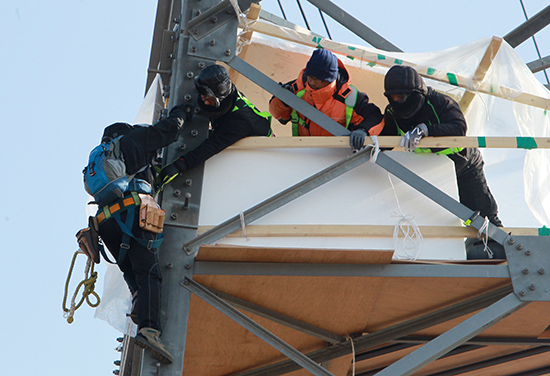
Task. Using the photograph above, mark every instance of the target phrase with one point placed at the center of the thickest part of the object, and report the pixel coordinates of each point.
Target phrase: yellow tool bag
(88, 240)
(151, 217)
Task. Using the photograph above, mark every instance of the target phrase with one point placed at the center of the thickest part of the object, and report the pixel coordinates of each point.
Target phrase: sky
(69, 68)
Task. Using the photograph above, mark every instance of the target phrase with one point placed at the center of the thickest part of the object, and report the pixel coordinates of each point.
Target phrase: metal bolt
(185, 281)
(193, 49)
(214, 19)
(227, 52)
(116, 372)
(187, 97)
(171, 56)
(176, 20)
(511, 241)
(519, 247)
(187, 199)
(195, 31)
(116, 362)
(212, 42)
(190, 74)
(177, 193)
(194, 132)
(525, 270)
(188, 182)
(197, 110)
(202, 64)
(198, 12)
(169, 265)
(541, 271)
(120, 339)
(532, 287)
(187, 266)
(528, 252)
(183, 146)
(174, 216)
(523, 292)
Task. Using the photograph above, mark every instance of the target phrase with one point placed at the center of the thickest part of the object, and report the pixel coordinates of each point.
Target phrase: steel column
(252, 326)
(454, 337)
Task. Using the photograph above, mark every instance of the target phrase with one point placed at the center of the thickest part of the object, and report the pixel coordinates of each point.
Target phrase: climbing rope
(90, 278)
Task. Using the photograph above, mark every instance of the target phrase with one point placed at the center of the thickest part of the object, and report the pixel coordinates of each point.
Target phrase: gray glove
(357, 139)
(411, 139)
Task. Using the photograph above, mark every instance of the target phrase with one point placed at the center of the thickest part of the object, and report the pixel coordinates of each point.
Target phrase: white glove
(411, 139)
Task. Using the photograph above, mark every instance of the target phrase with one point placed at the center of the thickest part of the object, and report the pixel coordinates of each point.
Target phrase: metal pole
(252, 326)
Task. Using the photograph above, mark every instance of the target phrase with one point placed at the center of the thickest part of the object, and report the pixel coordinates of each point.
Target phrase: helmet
(409, 84)
(214, 82)
(115, 130)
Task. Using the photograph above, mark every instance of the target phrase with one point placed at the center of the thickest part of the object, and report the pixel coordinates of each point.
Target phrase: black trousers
(472, 185)
(140, 268)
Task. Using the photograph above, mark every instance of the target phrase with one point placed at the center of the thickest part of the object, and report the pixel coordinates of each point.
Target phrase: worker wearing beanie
(325, 84)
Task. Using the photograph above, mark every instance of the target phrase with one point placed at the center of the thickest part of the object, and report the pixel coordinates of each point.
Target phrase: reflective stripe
(427, 150)
(266, 115)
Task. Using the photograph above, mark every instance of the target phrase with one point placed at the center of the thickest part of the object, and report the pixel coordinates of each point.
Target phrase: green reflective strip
(544, 231)
(430, 71)
(381, 57)
(481, 142)
(526, 143)
(452, 79)
(398, 62)
(294, 118)
(468, 222)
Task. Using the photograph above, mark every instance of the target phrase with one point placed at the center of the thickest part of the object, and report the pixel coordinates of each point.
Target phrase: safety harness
(238, 105)
(128, 204)
(350, 101)
(427, 150)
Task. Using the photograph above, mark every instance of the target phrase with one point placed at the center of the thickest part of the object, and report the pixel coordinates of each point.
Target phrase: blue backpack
(105, 175)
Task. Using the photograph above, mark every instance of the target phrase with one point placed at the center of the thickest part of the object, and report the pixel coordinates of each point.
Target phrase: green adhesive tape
(481, 142)
(452, 79)
(544, 231)
(381, 57)
(398, 62)
(526, 143)
(430, 71)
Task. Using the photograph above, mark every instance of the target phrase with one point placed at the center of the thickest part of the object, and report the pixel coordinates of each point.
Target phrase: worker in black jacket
(417, 111)
(232, 117)
(134, 248)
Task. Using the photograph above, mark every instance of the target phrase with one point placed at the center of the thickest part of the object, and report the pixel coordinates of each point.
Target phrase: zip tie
(353, 352)
(486, 238)
(243, 225)
(374, 152)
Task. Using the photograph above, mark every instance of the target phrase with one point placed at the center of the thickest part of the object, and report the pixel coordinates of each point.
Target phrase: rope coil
(90, 278)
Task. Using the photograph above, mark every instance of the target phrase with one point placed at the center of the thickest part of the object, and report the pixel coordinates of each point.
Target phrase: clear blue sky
(68, 69)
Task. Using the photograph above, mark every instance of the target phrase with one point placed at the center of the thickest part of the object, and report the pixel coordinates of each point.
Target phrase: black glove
(170, 172)
(184, 111)
(357, 139)
(411, 139)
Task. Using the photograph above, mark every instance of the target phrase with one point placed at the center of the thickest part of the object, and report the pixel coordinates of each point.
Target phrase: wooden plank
(374, 57)
(386, 142)
(481, 71)
(362, 231)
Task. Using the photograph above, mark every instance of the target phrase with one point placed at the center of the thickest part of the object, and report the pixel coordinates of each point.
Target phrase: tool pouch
(88, 240)
(151, 217)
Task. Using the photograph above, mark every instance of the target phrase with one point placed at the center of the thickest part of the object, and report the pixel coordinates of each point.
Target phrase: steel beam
(280, 199)
(355, 26)
(287, 97)
(350, 270)
(279, 318)
(388, 334)
(539, 65)
(296, 356)
(485, 341)
(529, 28)
(454, 337)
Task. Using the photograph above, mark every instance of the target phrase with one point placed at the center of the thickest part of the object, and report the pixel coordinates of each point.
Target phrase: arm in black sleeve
(231, 129)
(451, 118)
(368, 111)
(140, 145)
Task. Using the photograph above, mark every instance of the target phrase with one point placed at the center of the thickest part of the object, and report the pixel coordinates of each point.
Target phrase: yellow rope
(90, 278)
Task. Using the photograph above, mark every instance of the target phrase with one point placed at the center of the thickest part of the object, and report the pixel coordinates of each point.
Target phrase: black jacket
(228, 129)
(140, 146)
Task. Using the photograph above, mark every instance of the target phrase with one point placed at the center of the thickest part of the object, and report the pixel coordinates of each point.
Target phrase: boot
(149, 339)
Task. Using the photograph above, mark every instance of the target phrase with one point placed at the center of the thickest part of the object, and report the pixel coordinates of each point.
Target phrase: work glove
(411, 139)
(357, 139)
(170, 172)
(287, 86)
(184, 111)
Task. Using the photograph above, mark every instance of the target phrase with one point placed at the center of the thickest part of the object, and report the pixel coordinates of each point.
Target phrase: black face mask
(408, 106)
(225, 105)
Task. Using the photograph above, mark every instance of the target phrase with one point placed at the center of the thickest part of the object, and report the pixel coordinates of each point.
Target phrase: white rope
(486, 238)
(413, 240)
(245, 24)
(353, 354)
(375, 150)
(243, 225)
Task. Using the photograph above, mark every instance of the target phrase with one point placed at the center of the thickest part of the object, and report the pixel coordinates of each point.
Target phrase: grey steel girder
(454, 337)
(255, 328)
(529, 28)
(388, 334)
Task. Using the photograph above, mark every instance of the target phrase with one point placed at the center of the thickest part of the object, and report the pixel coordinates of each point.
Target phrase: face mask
(408, 105)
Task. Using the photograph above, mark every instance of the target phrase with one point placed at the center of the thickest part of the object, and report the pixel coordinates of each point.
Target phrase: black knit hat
(114, 130)
(402, 79)
(323, 65)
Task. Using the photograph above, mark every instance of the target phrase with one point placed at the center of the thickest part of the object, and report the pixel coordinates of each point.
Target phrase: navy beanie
(323, 65)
